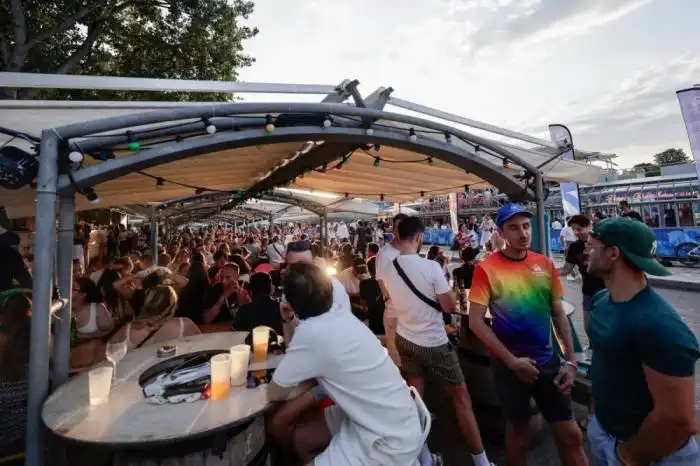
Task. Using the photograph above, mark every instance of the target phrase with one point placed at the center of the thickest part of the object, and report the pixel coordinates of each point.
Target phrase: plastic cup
(99, 384)
(261, 338)
(240, 356)
(220, 376)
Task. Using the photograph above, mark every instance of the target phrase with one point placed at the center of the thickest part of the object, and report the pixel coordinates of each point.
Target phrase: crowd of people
(363, 319)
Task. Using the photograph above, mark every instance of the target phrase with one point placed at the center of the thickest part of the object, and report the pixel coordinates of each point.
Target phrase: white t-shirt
(349, 281)
(418, 322)
(568, 234)
(383, 266)
(274, 252)
(381, 424)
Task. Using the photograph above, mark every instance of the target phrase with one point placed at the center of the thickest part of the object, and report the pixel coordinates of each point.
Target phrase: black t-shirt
(371, 294)
(576, 256)
(634, 215)
(463, 275)
(212, 296)
(263, 310)
(13, 269)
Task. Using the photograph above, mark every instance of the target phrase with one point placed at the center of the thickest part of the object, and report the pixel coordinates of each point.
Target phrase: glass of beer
(261, 338)
(240, 356)
(220, 376)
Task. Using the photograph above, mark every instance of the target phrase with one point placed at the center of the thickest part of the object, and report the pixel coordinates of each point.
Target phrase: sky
(607, 69)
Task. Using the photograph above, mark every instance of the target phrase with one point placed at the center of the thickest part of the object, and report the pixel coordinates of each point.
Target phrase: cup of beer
(261, 338)
(240, 356)
(220, 376)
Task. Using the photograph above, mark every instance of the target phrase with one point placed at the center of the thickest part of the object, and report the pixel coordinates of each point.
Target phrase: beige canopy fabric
(229, 170)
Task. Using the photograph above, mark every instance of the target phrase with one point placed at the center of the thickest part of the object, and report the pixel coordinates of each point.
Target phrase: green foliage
(671, 157)
(172, 39)
(650, 169)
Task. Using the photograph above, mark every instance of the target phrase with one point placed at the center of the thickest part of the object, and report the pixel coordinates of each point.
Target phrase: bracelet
(290, 320)
(572, 364)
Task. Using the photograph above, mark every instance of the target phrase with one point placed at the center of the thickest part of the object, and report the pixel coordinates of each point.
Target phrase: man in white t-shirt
(420, 293)
(383, 266)
(374, 420)
(275, 251)
(567, 237)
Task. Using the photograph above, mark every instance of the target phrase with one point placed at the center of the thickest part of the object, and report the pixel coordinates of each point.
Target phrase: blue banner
(570, 202)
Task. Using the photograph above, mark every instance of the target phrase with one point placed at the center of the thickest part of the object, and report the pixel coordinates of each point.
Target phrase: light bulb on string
(430, 160)
(448, 138)
(377, 162)
(208, 126)
(199, 191)
(505, 163)
(160, 182)
(327, 122)
(412, 135)
(76, 156)
(347, 195)
(422, 194)
(369, 131)
(269, 125)
(132, 145)
(381, 197)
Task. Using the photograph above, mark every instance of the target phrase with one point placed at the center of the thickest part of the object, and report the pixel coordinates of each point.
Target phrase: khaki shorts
(440, 362)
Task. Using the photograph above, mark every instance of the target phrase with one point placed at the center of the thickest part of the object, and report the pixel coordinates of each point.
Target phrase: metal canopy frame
(238, 125)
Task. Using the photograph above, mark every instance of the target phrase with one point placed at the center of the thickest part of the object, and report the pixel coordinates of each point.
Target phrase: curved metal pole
(450, 153)
(44, 240)
(66, 233)
(218, 110)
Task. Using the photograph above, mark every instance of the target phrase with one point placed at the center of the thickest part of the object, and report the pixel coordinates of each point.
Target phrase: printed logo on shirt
(537, 270)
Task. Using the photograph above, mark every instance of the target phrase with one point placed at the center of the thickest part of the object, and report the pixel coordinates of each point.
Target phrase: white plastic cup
(99, 384)
(240, 357)
(220, 376)
(261, 339)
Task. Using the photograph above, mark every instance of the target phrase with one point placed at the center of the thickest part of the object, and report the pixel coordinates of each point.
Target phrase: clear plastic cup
(220, 376)
(99, 384)
(240, 357)
(261, 338)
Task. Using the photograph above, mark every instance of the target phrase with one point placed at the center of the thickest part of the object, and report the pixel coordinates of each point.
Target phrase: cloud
(519, 23)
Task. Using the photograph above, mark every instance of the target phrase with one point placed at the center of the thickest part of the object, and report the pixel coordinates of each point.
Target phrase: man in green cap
(644, 356)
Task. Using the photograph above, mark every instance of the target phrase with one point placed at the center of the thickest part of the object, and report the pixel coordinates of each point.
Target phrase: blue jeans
(603, 449)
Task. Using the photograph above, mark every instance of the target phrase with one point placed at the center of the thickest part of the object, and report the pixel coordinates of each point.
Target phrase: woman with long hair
(191, 302)
(157, 321)
(15, 324)
(92, 319)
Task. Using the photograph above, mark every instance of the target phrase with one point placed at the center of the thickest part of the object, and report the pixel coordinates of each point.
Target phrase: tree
(671, 157)
(175, 39)
(650, 169)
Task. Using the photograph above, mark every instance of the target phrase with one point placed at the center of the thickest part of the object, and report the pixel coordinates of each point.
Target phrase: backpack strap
(413, 288)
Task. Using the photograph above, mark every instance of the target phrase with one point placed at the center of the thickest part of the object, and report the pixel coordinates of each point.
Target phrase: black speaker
(17, 167)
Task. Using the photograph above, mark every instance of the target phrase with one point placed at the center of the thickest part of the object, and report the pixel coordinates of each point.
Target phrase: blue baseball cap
(509, 211)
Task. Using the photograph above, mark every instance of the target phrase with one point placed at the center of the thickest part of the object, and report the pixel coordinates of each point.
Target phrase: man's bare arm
(483, 332)
(670, 423)
(276, 392)
(448, 302)
(566, 269)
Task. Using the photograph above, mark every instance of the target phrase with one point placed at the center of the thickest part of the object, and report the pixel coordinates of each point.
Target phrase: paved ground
(445, 437)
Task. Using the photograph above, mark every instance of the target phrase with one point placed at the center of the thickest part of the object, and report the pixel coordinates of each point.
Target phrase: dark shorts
(441, 362)
(515, 395)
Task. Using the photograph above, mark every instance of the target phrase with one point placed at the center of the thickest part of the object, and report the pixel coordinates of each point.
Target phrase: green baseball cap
(636, 242)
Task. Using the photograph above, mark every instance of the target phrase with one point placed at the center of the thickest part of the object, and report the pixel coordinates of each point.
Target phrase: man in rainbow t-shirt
(522, 291)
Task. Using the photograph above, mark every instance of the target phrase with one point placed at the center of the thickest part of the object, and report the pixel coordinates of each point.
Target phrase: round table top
(128, 420)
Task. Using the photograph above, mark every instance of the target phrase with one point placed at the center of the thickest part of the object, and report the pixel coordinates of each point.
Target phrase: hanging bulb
(466, 188)
(324, 168)
(327, 123)
(505, 163)
(160, 182)
(269, 125)
(133, 146)
(477, 148)
(422, 193)
(199, 191)
(91, 196)
(211, 129)
(377, 161)
(430, 160)
(347, 195)
(448, 138)
(75, 156)
(377, 147)
(381, 197)
(370, 131)
(412, 135)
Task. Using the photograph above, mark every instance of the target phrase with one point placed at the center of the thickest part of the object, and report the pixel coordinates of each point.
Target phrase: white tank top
(91, 326)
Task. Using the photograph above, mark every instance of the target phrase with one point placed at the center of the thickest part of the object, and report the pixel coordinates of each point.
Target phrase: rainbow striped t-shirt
(519, 295)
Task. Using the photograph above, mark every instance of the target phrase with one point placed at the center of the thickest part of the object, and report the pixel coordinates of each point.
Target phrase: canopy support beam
(66, 234)
(154, 237)
(539, 199)
(39, 347)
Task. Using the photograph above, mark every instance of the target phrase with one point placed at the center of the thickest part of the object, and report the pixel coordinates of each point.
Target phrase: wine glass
(115, 352)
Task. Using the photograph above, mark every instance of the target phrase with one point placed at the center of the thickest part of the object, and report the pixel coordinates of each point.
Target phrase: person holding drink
(222, 299)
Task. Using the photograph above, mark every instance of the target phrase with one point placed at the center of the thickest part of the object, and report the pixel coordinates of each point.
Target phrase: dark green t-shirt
(644, 331)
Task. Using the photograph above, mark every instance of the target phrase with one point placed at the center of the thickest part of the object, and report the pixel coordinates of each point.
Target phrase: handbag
(413, 288)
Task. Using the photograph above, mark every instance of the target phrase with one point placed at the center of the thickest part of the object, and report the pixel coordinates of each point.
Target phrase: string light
(377, 147)
(209, 127)
(347, 195)
(327, 122)
(132, 145)
(369, 132)
(505, 163)
(75, 156)
(448, 138)
(91, 195)
(422, 194)
(160, 182)
(412, 135)
(381, 197)
(199, 191)
(466, 188)
(377, 161)
(269, 125)
(430, 160)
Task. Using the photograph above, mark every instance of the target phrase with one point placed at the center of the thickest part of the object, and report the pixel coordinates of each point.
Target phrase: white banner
(570, 203)
(453, 212)
(689, 100)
